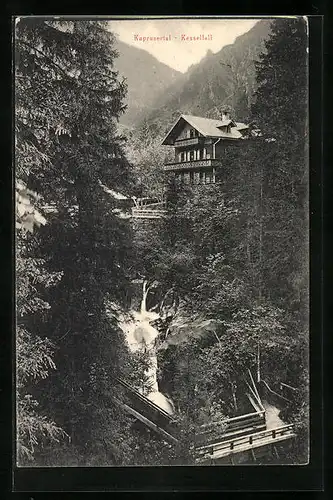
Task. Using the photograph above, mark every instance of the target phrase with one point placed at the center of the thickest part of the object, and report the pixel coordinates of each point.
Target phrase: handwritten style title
(169, 38)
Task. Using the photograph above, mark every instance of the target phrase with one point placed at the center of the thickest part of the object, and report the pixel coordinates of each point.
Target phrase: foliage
(34, 355)
(285, 176)
(68, 101)
(233, 252)
(147, 155)
(236, 251)
(27, 214)
(139, 363)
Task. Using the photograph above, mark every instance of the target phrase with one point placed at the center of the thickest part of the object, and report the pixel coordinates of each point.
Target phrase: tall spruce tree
(68, 101)
(280, 111)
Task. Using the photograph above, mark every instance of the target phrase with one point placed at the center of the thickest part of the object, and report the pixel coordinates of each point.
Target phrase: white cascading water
(141, 335)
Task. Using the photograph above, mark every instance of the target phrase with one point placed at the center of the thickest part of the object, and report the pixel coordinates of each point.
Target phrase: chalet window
(202, 177)
(204, 152)
(208, 177)
(207, 156)
(191, 177)
(198, 154)
(192, 132)
(188, 155)
(192, 155)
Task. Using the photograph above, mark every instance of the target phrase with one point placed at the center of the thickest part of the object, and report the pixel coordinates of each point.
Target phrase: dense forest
(233, 254)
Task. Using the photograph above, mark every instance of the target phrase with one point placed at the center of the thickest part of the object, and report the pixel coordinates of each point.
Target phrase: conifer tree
(280, 111)
(34, 355)
(68, 101)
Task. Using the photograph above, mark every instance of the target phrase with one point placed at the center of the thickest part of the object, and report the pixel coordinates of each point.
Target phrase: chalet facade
(200, 145)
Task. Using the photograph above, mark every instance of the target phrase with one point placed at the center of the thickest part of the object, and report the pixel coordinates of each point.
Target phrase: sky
(177, 52)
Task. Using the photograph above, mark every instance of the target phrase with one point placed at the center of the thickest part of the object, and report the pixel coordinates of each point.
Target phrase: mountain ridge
(146, 78)
(227, 77)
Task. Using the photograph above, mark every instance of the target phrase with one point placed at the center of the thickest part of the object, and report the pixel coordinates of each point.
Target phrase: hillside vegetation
(146, 78)
(225, 78)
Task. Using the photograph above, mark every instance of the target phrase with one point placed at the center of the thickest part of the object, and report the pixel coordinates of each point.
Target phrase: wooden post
(258, 364)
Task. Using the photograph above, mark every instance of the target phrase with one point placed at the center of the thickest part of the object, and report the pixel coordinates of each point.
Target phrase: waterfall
(145, 291)
(141, 335)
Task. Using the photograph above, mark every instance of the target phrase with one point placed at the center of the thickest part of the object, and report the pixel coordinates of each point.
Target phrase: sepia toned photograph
(161, 249)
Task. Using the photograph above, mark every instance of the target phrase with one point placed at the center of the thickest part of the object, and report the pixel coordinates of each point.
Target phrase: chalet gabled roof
(207, 127)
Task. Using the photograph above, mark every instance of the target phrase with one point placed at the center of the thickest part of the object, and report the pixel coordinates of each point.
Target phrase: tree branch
(22, 42)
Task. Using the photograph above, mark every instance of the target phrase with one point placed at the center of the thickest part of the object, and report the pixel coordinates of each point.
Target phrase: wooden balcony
(192, 165)
(192, 141)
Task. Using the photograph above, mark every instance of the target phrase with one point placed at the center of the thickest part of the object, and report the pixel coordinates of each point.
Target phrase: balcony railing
(193, 164)
(189, 141)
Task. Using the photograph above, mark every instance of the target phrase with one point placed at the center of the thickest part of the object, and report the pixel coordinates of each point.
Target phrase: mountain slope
(227, 77)
(146, 79)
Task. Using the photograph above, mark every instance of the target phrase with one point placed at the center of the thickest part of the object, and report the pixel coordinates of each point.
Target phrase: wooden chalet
(200, 145)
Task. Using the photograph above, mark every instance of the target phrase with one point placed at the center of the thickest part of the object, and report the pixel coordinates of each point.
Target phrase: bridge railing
(245, 442)
(236, 425)
(147, 213)
(148, 409)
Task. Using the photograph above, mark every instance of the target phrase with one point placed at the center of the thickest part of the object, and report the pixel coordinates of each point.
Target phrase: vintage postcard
(162, 265)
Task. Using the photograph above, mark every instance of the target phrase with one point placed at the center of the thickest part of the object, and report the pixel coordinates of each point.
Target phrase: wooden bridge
(147, 208)
(239, 444)
(215, 442)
